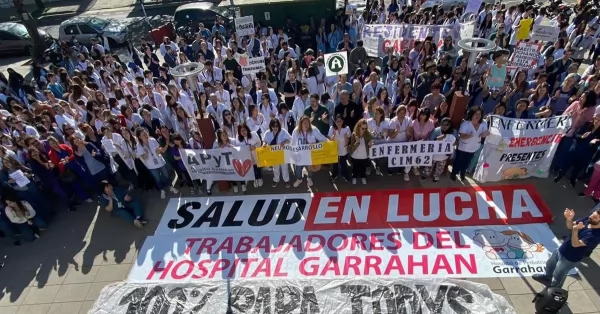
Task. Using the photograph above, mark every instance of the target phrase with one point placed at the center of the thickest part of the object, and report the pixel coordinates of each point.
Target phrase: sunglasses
(363, 129)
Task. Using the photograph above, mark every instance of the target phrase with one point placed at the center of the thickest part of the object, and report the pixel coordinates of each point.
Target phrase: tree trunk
(39, 45)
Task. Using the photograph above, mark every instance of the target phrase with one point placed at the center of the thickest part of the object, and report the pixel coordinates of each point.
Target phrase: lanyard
(305, 136)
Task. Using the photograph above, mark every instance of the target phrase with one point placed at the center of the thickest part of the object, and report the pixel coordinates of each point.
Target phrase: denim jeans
(133, 210)
(461, 162)
(298, 172)
(27, 231)
(557, 269)
(341, 166)
(161, 177)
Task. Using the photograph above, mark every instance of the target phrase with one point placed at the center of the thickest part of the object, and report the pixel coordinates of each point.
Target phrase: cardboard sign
(244, 26)
(525, 55)
(545, 33)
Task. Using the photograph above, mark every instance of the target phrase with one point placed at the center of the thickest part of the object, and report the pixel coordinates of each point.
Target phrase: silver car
(446, 4)
(14, 38)
(84, 28)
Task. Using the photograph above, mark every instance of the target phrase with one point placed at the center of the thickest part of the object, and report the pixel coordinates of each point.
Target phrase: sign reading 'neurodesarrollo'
(350, 296)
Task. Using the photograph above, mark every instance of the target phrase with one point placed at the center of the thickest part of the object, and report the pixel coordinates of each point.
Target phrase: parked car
(15, 38)
(200, 12)
(84, 28)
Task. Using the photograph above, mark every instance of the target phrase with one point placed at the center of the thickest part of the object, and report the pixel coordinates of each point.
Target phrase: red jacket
(55, 159)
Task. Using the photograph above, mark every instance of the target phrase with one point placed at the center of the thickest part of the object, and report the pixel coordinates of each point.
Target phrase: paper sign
(473, 6)
(244, 26)
(372, 45)
(525, 55)
(336, 63)
(497, 76)
(545, 33)
(20, 179)
(524, 29)
(467, 30)
(252, 65)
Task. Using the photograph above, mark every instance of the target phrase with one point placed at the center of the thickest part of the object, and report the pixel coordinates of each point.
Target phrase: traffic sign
(336, 63)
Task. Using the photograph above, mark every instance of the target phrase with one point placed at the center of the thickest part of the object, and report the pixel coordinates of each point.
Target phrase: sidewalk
(69, 8)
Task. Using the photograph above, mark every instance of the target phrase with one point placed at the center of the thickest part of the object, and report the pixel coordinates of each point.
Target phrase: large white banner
(461, 252)
(229, 164)
(412, 153)
(403, 36)
(520, 148)
(285, 296)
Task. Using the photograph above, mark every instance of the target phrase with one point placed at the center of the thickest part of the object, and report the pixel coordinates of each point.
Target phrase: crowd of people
(101, 128)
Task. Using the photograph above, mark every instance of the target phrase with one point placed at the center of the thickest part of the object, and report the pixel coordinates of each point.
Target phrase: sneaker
(423, 178)
(406, 177)
(274, 184)
(297, 183)
(557, 178)
(309, 182)
(377, 172)
(353, 181)
(260, 182)
(287, 185)
(174, 190)
(542, 279)
(416, 171)
(390, 174)
(163, 194)
(436, 179)
(368, 171)
(89, 200)
(143, 221)
(36, 235)
(137, 223)
(255, 183)
(363, 181)
(243, 188)
(235, 189)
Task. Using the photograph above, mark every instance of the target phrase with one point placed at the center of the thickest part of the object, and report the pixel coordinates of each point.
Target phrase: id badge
(155, 161)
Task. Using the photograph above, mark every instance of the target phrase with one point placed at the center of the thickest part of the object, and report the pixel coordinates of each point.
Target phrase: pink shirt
(579, 116)
(422, 131)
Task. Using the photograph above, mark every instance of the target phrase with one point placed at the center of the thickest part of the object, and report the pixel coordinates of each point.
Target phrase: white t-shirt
(153, 160)
(449, 139)
(471, 144)
(311, 84)
(253, 141)
(340, 138)
(379, 132)
(361, 151)
(401, 127)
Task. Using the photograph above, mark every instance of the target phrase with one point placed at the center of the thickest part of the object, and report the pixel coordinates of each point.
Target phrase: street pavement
(82, 252)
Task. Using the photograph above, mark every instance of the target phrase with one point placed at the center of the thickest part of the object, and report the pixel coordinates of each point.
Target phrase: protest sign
(230, 164)
(520, 148)
(473, 6)
(545, 33)
(467, 30)
(244, 26)
(252, 65)
(411, 153)
(372, 44)
(525, 55)
(524, 28)
(336, 63)
(403, 36)
(353, 295)
(302, 155)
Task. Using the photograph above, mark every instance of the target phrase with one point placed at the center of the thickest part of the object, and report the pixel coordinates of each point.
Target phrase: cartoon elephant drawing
(494, 243)
(520, 245)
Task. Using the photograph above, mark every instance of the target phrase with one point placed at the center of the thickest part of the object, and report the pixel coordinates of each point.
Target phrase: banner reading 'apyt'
(302, 155)
(229, 164)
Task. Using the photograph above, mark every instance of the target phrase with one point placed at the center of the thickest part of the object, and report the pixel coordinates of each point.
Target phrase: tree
(40, 4)
(39, 45)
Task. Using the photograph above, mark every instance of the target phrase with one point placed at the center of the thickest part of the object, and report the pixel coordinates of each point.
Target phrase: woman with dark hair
(471, 131)
(183, 175)
(23, 217)
(276, 135)
(151, 154)
(421, 129)
(224, 141)
(446, 133)
(286, 118)
(585, 144)
(581, 111)
(95, 164)
(251, 140)
(379, 127)
(340, 133)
